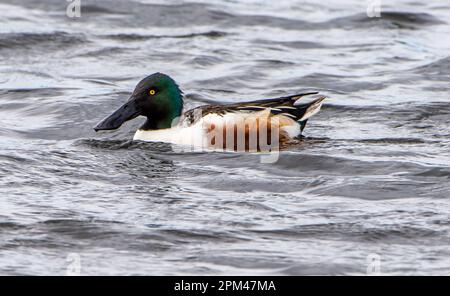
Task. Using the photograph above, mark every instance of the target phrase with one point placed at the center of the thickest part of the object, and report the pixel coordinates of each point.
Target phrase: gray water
(370, 180)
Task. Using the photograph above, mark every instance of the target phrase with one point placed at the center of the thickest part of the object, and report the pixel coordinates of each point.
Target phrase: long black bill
(126, 112)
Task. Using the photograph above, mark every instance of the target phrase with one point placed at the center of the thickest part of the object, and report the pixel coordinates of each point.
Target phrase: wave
(437, 70)
(388, 20)
(398, 234)
(31, 40)
(335, 83)
(141, 37)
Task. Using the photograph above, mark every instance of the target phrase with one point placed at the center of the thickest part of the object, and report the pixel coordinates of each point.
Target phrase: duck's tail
(307, 109)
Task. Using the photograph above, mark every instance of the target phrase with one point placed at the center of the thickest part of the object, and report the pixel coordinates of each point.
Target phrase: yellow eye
(152, 92)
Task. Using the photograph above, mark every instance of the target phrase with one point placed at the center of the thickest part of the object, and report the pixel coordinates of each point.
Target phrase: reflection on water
(371, 176)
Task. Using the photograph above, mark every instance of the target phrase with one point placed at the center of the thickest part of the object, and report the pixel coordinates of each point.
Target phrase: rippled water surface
(371, 178)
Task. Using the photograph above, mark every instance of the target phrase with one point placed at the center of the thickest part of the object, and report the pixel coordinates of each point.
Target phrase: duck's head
(156, 97)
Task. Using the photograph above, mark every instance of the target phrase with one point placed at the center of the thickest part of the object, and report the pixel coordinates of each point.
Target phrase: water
(371, 178)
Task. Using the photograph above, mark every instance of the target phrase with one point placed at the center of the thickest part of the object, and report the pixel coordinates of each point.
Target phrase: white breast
(191, 136)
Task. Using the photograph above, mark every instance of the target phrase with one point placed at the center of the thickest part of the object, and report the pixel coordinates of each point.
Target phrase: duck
(246, 126)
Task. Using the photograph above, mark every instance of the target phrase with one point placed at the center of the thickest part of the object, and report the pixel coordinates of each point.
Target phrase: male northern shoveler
(159, 98)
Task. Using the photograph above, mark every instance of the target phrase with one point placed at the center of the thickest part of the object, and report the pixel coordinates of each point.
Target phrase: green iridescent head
(156, 97)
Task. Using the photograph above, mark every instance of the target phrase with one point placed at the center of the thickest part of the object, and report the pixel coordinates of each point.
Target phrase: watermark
(373, 264)
(373, 8)
(256, 134)
(74, 264)
(73, 9)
